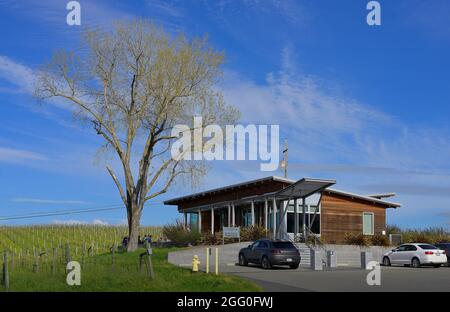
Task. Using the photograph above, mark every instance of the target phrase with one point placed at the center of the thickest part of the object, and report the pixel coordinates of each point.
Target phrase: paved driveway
(345, 279)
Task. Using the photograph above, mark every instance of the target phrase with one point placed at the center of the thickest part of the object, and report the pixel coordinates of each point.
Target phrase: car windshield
(286, 245)
(428, 247)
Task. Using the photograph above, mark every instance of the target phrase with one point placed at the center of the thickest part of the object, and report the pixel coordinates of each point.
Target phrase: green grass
(98, 275)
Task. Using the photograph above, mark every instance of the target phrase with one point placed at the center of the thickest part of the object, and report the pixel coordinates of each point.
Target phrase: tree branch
(119, 186)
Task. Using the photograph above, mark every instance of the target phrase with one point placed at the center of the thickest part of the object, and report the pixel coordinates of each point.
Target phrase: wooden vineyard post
(12, 260)
(35, 261)
(150, 264)
(54, 261)
(42, 254)
(68, 257)
(113, 250)
(83, 255)
(5, 279)
(149, 253)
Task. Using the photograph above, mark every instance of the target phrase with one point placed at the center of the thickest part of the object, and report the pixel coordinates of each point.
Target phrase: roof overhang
(304, 188)
(373, 200)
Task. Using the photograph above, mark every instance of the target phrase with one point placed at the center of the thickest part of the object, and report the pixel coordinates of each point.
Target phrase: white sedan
(416, 254)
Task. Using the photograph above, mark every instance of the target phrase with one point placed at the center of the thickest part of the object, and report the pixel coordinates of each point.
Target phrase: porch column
(199, 219)
(212, 220)
(253, 213)
(229, 215)
(185, 220)
(274, 212)
(309, 219)
(295, 218)
(266, 213)
(283, 218)
(233, 213)
(304, 218)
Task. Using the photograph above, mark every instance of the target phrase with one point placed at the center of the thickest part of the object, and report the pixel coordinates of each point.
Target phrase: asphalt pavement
(345, 279)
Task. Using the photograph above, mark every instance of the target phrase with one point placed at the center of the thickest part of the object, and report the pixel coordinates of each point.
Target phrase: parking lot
(345, 279)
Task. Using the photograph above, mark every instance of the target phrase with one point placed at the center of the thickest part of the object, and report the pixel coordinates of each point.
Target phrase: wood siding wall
(341, 215)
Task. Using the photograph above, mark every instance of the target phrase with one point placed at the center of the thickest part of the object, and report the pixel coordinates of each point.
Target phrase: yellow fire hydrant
(195, 263)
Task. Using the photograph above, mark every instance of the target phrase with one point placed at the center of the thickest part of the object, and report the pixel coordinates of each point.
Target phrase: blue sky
(368, 106)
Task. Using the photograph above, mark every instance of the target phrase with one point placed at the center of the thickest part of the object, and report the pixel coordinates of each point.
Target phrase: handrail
(317, 241)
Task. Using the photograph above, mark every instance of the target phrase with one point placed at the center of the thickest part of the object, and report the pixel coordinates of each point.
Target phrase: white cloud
(99, 222)
(17, 74)
(48, 201)
(19, 156)
(80, 222)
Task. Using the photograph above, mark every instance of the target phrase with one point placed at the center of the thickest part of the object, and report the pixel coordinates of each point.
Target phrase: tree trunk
(133, 228)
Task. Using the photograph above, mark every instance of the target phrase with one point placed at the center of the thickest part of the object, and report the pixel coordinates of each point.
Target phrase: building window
(246, 217)
(309, 218)
(193, 222)
(368, 223)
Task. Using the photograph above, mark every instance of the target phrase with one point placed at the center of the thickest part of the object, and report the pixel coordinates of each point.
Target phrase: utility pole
(284, 162)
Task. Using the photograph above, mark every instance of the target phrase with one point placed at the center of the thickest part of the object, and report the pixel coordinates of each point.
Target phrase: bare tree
(134, 84)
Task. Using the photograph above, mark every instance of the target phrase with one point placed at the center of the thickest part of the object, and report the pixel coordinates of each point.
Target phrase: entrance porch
(293, 212)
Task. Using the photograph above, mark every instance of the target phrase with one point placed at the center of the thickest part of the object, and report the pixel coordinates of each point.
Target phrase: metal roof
(302, 188)
(381, 196)
(365, 198)
(174, 201)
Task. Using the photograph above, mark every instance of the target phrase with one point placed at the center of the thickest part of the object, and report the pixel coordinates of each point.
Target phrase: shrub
(209, 239)
(393, 229)
(179, 235)
(252, 233)
(356, 239)
(379, 240)
(431, 235)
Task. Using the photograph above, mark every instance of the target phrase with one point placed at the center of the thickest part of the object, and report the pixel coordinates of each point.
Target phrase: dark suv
(446, 248)
(267, 253)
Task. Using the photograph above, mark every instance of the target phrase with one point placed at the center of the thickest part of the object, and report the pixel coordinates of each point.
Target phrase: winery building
(288, 209)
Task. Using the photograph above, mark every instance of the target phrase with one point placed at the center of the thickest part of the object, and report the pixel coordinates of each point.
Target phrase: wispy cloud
(48, 201)
(12, 155)
(165, 7)
(17, 74)
(54, 12)
(292, 11)
(80, 222)
(327, 128)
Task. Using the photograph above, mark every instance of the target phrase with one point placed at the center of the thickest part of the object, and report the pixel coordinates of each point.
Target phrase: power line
(67, 212)
(57, 214)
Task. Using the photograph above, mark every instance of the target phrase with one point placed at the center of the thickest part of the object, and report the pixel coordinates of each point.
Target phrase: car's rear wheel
(294, 266)
(242, 260)
(386, 261)
(265, 263)
(415, 263)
